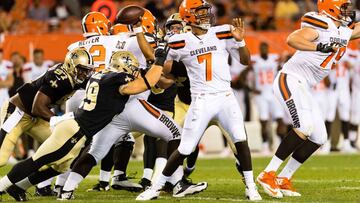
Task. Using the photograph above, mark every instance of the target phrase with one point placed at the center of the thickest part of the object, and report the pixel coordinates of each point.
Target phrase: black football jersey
(102, 101)
(182, 82)
(56, 83)
(164, 100)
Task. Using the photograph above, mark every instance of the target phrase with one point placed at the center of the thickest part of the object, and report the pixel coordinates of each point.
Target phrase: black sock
(161, 149)
(41, 176)
(328, 125)
(84, 165)
(243, 155)
(149, 152)
(172, 146)
(174, 161)
(288, 145)
(345, 125)
(22, 170)
(191, 159)
(302, 153)
(107, 162)
(122, 153)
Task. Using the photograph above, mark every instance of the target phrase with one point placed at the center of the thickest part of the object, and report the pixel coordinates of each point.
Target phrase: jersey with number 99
(205, 58)
(313, 66)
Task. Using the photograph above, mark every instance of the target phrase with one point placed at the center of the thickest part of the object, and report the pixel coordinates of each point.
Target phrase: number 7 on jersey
(208, 68)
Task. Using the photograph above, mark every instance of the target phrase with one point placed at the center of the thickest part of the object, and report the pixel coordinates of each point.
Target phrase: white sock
(160, 164)
(148, 172)
(352, 135)
(177, 175)
(24, 184)
(117, 172)
(291, 166)
(61, 179)
(45, 183)
(160, 182)
(104, 176)
(5, 183)
(274, 164)
(73, 180)
(249, 178)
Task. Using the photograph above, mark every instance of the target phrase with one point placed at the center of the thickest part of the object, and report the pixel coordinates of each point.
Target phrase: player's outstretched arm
(144, 45)
(238, 32)
(148, 80)
(41, 106)
(356, 33)
(303, 38)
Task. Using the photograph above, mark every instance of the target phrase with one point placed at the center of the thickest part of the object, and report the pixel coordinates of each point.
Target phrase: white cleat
(148, 194)
(252, 194)
(182, 188)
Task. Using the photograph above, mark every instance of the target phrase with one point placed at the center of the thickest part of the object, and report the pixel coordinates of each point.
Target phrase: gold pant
(37, 128)
(62, 147)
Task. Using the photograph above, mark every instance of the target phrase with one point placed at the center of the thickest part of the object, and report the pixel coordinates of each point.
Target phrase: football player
(320, 42)
(33, 70)
(33, 112)
(203, 52)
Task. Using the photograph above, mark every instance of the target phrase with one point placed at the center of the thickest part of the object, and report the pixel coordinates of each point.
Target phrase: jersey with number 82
(206, 59)
(314, 66)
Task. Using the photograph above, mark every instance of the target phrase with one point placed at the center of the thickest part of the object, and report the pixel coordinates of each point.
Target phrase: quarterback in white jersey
(6, 78)
(320, 42)
(205, 52)
(33, 70)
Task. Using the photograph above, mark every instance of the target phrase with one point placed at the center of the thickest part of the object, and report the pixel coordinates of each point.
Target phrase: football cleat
(268, 183)
(100, 186)
(120, 182)
(17, 193)
(57, 190)
(145, 183)
(148, 194)
(252, 194)
(286, 187)
(183, 188)
(66, 195)
(45, 191)
(168, 187)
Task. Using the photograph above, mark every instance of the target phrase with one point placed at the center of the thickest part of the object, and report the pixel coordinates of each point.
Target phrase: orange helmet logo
(336, 9)
(119, 28)
(149, 22)
(95, 23)
(187, 11)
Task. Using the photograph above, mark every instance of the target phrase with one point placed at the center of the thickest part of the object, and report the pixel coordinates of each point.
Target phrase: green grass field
(334, 178)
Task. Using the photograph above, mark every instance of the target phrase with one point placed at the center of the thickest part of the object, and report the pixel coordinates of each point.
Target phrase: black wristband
(145, 80)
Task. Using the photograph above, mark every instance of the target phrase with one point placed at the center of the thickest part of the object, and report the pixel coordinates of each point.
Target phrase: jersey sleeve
(54, 85)
(175, 43)
(72, 46)
(151, 39)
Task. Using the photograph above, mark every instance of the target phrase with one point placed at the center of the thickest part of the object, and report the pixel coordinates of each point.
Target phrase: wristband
(145, 80)
(138, 30)
(241, 43)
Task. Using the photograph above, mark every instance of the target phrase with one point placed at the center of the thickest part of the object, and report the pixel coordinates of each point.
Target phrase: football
(129, 15)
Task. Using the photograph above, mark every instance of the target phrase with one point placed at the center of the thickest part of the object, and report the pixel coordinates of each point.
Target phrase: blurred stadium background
(51, 25)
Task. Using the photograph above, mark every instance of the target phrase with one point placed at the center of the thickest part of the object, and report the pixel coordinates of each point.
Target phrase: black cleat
(100, 186)
(182, 188)
(17, 193)
(145, 183)
(66, 195)
(121, 182)
(168, 187)
(57, 190)
(45, 191)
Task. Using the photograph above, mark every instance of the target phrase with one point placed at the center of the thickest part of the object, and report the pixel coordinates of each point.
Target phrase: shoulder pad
(315, 20)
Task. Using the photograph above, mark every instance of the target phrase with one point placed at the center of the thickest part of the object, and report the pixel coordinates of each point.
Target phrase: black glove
(160, 55)
(324, 48)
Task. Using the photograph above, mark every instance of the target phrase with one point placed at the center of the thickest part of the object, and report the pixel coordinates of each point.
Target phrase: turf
(333, 178)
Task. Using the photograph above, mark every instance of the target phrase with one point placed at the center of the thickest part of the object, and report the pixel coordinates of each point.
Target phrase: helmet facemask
(83, 72)
(204, 17)
(347, 13)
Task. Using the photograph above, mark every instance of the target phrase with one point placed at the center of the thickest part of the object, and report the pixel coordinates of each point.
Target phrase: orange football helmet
(339, 10)
(95, 23)
(149, 23)
(188, 9)
(119, 28)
